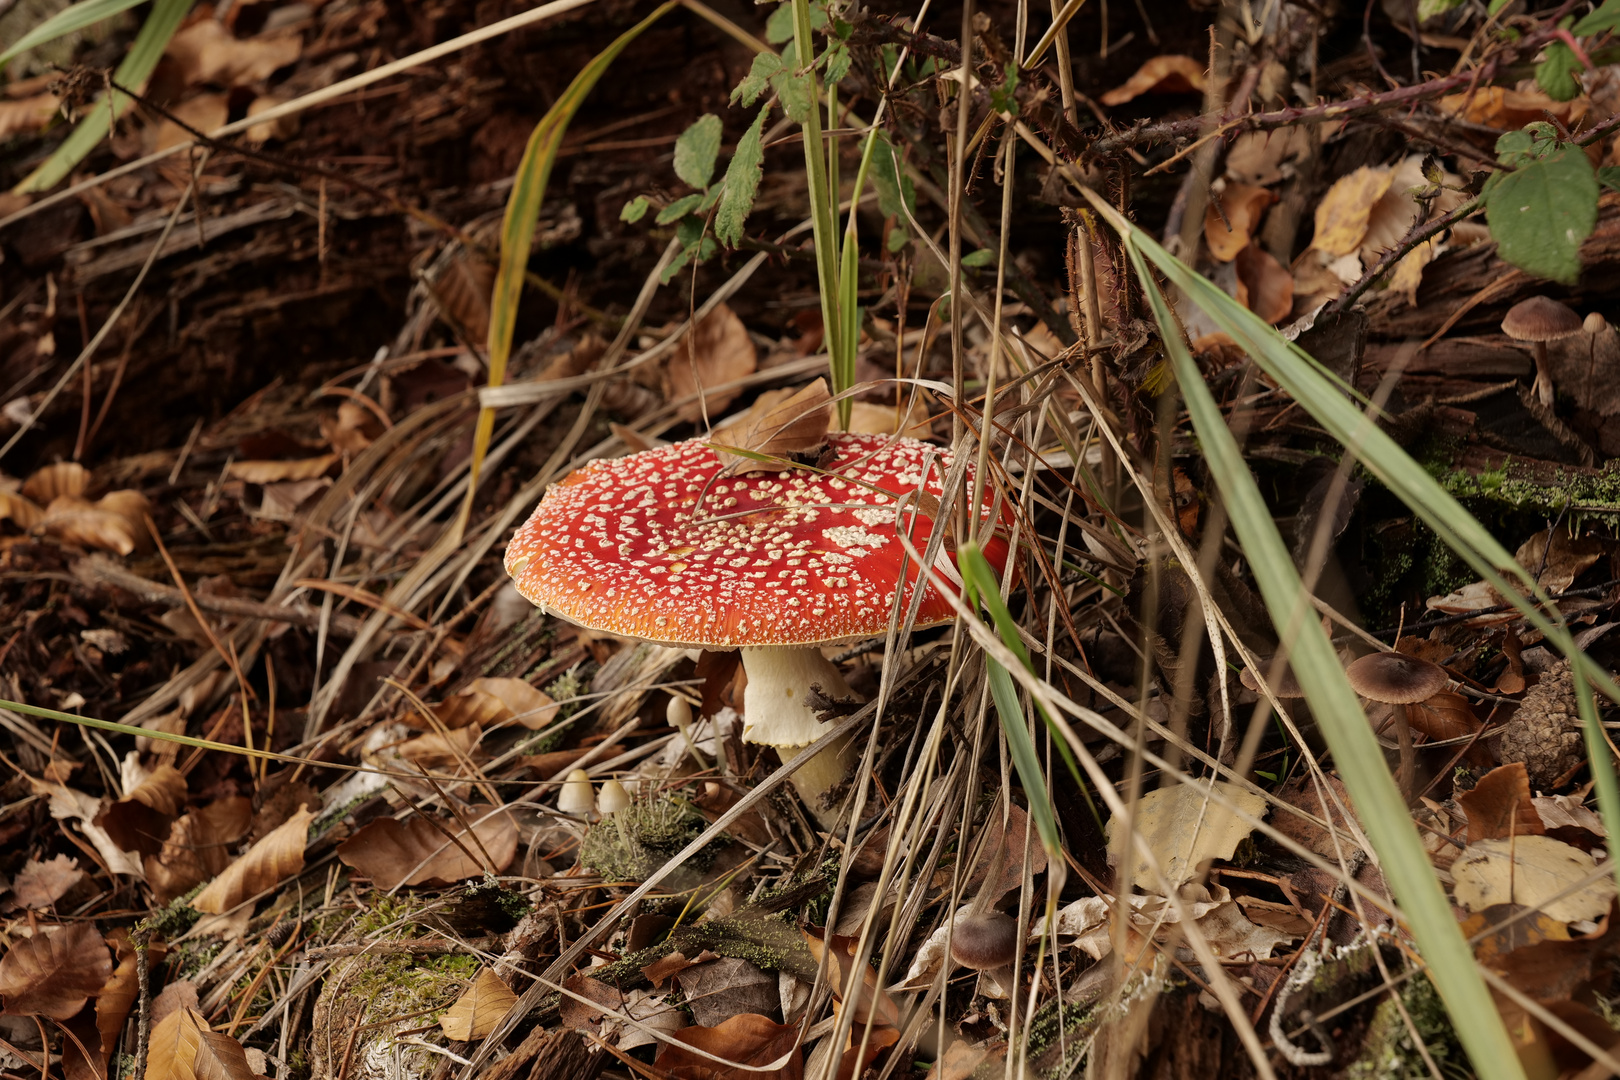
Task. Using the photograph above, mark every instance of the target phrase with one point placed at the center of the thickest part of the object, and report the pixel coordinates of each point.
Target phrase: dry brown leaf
(873, 419)
(532, 708)
(781, 423)
(40, 884)
(15, 508)
(717, 351)
(481, 1007)
(205, 52)
(205, 112)
(748, 1039)
(1559, 558)
(470, 708)
(1005, 847)
(272, 860)
(352, 429)
(61, 478)
(111, 524)
(141, 821)
(414, 852)
(269, 472)
(1531, 870)
(1266, 157)
(183, 1048)
(723, 988)
(578, 1015)
(69, 804)
(198, 847)
(1564, 811)
(442, 751)
(874, 1004)
(1184, 828)
(28, 115)
(1499, 806)
(1265, 287)
(54, 972)
(1160, 75)
(284, 127)
(280, 501)
(119, 993)
(1509, 110)
(1407, 277)
(1230, 220)
(1446, 715)
(1343, 213)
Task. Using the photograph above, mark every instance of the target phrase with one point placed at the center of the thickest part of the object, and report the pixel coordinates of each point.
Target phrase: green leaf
(678, 209)
(742, 182)
(1357, 754)
(1539, 214)
(796, 92)
(1609, 177)
(837, 59)
(758, 79)
(981, 257)
(1557, 72)
(1537, 140)
(779, 27)
(895, 191)
(80, 15)
(898, 237)
(1604, 18)
(635, 209)
(697, 150)
(144, 53)
(1428, 9)
(1003, 98)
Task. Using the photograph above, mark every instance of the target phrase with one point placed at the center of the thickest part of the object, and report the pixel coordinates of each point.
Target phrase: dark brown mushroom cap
(1540, 318)
(1396, 679)
(985, 941)
(1286, 685)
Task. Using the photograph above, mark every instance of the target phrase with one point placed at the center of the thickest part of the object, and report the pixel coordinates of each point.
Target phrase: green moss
(1389, 1054)
(1580, 496)
(630, 845)
(175, 917)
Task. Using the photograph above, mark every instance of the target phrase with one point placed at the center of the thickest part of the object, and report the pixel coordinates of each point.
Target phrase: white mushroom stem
(775, 713)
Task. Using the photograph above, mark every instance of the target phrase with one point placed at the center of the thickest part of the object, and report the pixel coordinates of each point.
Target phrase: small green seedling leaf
(635, 209)
(697, 150)
(1604, 18)
(1003, 98)
(741, 184)
(1540, 214)
(678, 209)
(758, 80)
(1557, 72)
(1428, 9)
(981, 257)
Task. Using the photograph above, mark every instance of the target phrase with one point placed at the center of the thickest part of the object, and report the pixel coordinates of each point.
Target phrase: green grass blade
(144, 53)
(80, 15)
(1356, 751)
(517, 230)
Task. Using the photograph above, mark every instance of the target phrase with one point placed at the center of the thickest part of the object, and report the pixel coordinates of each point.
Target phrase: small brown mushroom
(1285, 686)
(1401, 681)
(986, 941)
(1539, 320)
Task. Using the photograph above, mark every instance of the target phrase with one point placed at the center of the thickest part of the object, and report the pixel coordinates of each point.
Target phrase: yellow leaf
(479, 1009)
(183, 1048)
(1160, 75)
(1341, 217)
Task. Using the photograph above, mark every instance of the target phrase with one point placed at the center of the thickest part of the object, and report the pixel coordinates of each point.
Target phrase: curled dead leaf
(532, 708)
(140, 821)
(54, 972)
(1506, 110)
(416, 851)
(1499, 806)
(746, 1039)
(1160, 75)
(204, 112)
(61, 478)
(198, 847)
(15, 508)
(269, 472)
(272, 860)
(183, 1047)
(1231, 219)
(442, 751)
(781, 424)
(1446, 715)
(1265, 286)
(205, 52)
(28, 115)
(480, 1008)
(116, 522)
(716, 351)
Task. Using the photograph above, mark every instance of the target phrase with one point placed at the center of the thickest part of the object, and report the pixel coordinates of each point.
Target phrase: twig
(100, 571)
(143, 1023)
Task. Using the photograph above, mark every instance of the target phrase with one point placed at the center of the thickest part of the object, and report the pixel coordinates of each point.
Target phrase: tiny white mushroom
(612, 798)
(576, 797)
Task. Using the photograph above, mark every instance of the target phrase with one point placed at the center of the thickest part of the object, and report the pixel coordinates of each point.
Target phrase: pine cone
(1545, 733)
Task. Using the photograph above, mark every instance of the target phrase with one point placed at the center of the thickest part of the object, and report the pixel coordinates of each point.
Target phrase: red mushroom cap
(788, 557)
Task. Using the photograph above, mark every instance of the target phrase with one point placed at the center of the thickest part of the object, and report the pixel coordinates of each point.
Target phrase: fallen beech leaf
(272, 860)
(1184, 828)
(1564, 811)
(1531, 870)
(61, 478)
(447, 751)
(648, 1011)
(205, 112)
(1407, 276)
(1265, 157)
(280, 501)
(874, 1004)
(781, 423)
(580, 1016)
(205, 52)
(1265, 286)
(1160, 75)
(723, 988)
(140, 822)
(1003, 853)
(1446, 715)
(1558, 557)
(413, 852)
(198, 847)
(718, 350)
(481, 1007)
(1508, 110)
(1343, 214)
(1304, 793)
(284, 127)
(746, 1039)
(468, 709)
(68, 804)
(1514, 930)
(865, 1043)
(54, 972)
(15, 508)
(28, 115)
(1230, 220)
(114, 523)
(183, 1048)
(873, 419)
(532, 708)
(270, 472)
(41, 884)
(1499, 806)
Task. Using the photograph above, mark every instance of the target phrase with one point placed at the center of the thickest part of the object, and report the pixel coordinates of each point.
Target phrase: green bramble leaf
(697, 150)
(679, 209)
(635, 209)
(1604, 18)
(1536, 141)
(1557, 74)
(1540, 213)
(795, 92)
(1609, 177)
(758, 79)
(1003, 98)
(741, 184)
(779, 27)
(838, 61)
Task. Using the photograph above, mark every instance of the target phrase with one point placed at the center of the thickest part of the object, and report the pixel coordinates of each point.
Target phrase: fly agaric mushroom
(1539, 320)
(1402, 682)
(666, 547)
